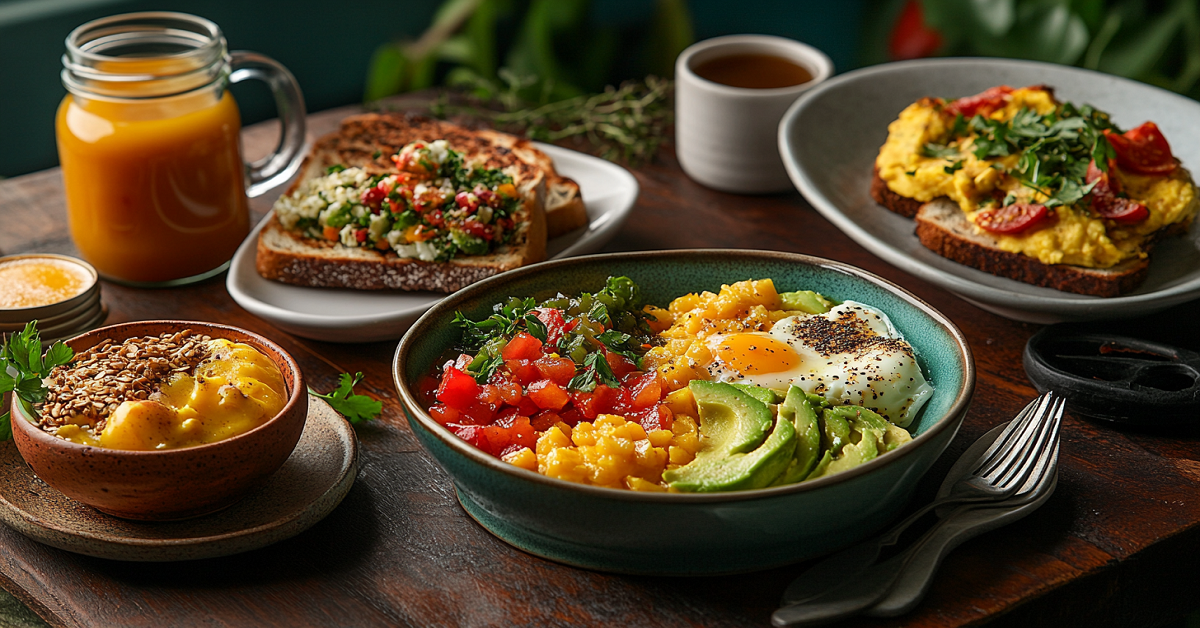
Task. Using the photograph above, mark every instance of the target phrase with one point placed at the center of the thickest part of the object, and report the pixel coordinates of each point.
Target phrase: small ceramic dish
(166, 484)
(690, 534)
(88, 294)
(86, 308)
(70, 326)
(62, 332)
(725, 135)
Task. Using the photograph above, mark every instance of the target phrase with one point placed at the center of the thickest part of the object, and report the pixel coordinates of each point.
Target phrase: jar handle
(283, 162)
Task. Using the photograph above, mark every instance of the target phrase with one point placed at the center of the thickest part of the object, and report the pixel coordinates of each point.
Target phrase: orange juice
(155, 187)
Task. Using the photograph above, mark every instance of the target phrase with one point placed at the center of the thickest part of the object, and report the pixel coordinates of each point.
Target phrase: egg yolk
(751, 354)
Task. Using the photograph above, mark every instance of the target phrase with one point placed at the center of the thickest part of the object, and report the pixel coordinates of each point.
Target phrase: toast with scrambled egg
(1017, 184)
(411, 203)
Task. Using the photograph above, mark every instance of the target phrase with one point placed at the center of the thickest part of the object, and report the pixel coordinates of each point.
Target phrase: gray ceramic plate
(307, 487)
(831, 135)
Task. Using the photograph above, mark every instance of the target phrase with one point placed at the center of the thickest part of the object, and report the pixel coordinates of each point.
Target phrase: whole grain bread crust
(368, 141)
(884, 195)
(284, 256)
(943, 228)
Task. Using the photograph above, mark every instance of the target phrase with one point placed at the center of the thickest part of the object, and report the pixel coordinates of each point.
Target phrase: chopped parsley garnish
(940, 152)
(1054, 149)
(23, 367)
(584, 328)
(356, 408)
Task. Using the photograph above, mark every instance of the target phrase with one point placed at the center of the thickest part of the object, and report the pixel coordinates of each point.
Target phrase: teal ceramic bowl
(690, 534)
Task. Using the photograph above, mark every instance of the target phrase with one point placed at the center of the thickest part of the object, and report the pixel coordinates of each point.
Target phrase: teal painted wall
(327, 45)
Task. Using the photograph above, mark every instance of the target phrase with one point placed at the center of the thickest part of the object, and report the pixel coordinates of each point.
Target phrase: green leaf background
(1157, 42)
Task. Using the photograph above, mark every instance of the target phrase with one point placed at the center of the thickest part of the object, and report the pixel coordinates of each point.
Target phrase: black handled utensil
(1116, 378)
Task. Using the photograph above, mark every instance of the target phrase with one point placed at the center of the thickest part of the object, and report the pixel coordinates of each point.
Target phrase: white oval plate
(336, 315)
(831, 135)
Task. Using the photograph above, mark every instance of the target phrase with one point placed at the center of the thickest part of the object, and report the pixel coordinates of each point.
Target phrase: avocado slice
(822, 466)
(853, 454)
(888, 436)
(835, 432)
(738, 471)
(797, 408)
(765, 395)
(805, 301)
(731, 420)
(870, 435)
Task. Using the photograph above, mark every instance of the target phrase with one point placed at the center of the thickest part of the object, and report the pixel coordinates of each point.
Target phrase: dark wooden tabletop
(1116, 545)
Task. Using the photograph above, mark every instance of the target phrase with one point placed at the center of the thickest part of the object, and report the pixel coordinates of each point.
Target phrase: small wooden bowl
(166, 484)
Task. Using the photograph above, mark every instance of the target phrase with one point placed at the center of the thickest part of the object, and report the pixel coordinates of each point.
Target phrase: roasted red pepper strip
(1105, 201)
(982, 103)
(1143, 150)
(1015, 218)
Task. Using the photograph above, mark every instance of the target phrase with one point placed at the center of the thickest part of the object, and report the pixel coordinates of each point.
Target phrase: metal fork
(998, 473)
(867, 588)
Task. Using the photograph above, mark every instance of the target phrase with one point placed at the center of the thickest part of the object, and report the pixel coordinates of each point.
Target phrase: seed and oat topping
(100, 378)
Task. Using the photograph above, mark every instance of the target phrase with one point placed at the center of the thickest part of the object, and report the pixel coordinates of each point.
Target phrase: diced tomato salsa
(569, 363)
(529, 394)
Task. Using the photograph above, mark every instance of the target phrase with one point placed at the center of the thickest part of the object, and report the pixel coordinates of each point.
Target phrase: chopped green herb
(23, 367)
(334, 168)
(954, 167)
(940, 152)
(609, 320)
(595, 370)
(1054, 149)
(356, 408)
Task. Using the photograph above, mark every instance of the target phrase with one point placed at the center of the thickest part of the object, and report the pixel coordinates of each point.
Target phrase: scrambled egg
(1077, 237)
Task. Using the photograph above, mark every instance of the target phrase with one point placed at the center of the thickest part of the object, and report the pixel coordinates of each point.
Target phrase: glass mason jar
(149, 143)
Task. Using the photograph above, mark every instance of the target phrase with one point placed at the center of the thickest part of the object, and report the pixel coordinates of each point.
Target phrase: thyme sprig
(627, 122)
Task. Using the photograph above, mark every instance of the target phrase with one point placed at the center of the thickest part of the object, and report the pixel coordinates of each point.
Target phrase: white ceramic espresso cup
(727, 137)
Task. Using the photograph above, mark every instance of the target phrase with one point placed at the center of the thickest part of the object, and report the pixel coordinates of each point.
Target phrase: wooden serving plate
(312, 482)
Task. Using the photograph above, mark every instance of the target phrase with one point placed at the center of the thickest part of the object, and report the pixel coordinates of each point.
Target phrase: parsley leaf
(1102, 151)
(939, 151)
(1054, 149)
(23, 367)
(621, 343)
(595, 368)
(536, 327)
(959, 128)
(356, 408)
(334, 168)
(954, 167)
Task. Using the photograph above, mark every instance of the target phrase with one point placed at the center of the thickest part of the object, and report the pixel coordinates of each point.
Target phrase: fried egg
(851, 354)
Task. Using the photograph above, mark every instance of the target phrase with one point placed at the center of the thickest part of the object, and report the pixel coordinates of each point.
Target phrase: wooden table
(1117, 545)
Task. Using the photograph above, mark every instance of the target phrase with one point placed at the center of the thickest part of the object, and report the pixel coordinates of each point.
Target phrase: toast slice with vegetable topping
(372, 139)
(393, 202)
(943, 228)
(1046, 192)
